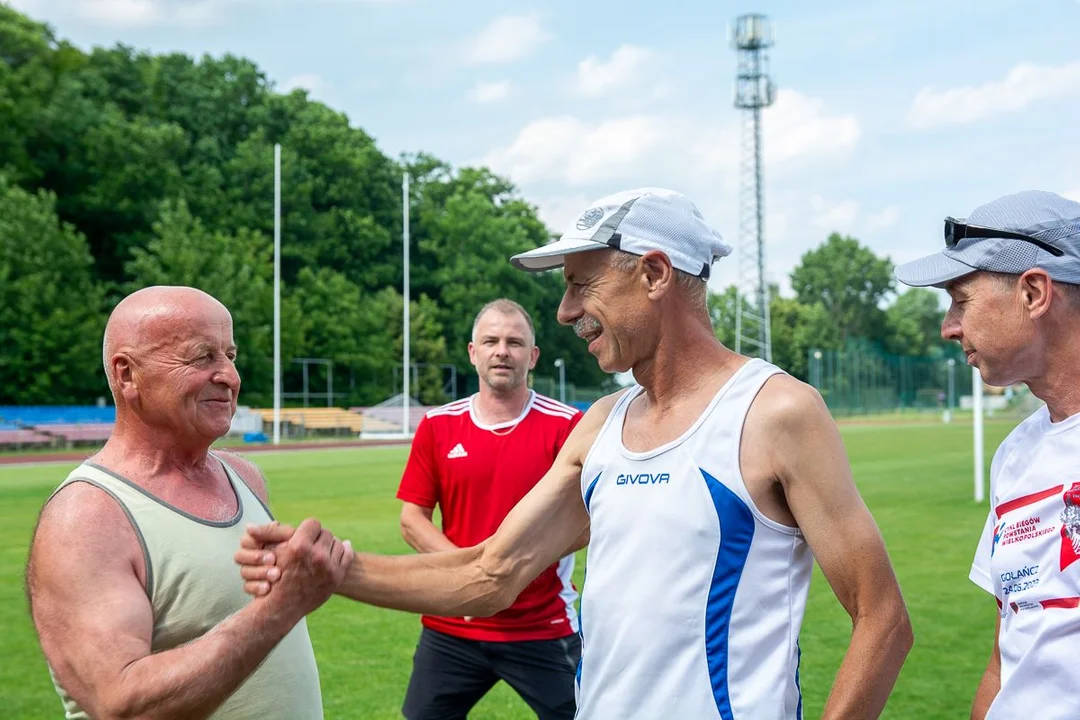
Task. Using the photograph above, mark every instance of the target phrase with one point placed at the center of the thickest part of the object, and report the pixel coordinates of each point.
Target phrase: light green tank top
(193, 584)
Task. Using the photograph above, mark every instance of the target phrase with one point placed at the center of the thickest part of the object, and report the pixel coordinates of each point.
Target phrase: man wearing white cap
(710, 488)
(1012, 270)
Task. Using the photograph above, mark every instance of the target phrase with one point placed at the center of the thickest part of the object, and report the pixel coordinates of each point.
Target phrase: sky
(888, 116)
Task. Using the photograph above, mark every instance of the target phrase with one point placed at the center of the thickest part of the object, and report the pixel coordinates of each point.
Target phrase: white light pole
(277, 294)
(559, 363)
(405, 312)
(952, 385)
(977, 392)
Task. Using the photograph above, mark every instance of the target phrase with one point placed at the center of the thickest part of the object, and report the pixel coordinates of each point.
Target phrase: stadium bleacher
(327, 421)
(387, 418)
(69, 425)
(54, 425)
(73, 433)
(33, 415)
(18, 439)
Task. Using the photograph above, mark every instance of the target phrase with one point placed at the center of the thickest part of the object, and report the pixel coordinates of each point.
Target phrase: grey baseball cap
(1012, 234)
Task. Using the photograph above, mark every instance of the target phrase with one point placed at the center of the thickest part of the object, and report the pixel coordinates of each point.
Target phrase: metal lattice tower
(751, 38)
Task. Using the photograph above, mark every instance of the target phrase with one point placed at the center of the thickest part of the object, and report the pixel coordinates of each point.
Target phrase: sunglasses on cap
(955, 231)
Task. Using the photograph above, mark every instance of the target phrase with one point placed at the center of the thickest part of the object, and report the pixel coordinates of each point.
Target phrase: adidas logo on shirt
(457, 452)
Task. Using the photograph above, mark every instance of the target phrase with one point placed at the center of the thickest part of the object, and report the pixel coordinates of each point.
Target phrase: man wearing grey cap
(709, 489)
(1012, 271)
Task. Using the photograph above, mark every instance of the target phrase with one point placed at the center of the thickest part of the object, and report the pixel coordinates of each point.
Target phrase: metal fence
(574, 395)
(865, 381)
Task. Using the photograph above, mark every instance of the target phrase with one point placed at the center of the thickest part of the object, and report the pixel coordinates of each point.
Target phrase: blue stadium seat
(30, 415)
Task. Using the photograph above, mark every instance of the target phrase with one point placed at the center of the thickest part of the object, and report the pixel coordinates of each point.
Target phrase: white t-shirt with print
(1029, 559)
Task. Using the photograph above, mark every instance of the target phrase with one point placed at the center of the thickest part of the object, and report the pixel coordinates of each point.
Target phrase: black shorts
(451, 674)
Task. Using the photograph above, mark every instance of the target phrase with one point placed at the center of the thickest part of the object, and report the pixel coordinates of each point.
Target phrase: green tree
(914, 323)
(51, 307)
(849, 281)
(722, 311)
(353, 329)
(131, 169)
(427, 343)
(114, 133)
(341, 197)
(796, 330)
(467, 225)
(235, 269)
(25, 47)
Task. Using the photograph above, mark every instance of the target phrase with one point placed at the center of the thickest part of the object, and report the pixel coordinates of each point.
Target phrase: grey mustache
(586, 325)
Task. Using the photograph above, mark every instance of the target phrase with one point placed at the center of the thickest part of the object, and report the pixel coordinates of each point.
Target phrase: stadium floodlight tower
(751, 38)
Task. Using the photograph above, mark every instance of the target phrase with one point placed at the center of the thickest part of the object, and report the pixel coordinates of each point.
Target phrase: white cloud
(29, 7)
(1073, 194)
(1024, 84)
(570, 150)
(146, 13)
(839, 216)
(848, 216)
(884, 219)
(557, 211)
(128, 14)
(491, 92)
(565, 162)
(508, 38)
(317, 86)
(656, 148)
(626, 65)
(795, 127)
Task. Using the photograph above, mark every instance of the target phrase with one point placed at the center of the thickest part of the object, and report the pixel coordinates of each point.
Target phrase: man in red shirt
(475, 459)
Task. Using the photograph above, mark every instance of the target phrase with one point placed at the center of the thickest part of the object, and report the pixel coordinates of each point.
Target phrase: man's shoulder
(83, 515)
(787, 412)
(550, 407)
(785, 402)
(449, 411)
(593, 419)
(1026, 434)
(79, 501)
(247, 470)
(1037, 423)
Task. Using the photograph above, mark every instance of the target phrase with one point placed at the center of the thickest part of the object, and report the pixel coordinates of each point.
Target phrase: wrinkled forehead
(178, 327)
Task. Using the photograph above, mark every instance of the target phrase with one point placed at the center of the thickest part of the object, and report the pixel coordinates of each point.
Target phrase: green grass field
(915, 478)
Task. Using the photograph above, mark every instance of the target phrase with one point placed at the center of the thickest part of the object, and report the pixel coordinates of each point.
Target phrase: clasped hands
(303, 566)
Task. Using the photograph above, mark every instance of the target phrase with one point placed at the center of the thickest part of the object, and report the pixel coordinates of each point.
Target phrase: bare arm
(820, 492)
(990, 685)
(420, 532)
(477, 581)
(579, 543)
(95, 621)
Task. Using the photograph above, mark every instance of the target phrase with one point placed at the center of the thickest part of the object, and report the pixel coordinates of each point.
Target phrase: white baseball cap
(636, 221)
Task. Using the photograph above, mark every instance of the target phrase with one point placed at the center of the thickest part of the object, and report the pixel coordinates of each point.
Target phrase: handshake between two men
(274, 554)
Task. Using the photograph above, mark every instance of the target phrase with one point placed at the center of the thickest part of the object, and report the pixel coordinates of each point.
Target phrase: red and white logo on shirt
(1070, 527)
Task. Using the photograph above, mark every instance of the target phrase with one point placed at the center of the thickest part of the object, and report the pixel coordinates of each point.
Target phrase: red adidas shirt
(476, 474)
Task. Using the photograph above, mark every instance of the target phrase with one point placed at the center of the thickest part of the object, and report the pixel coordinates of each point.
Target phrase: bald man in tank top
(131, 581)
